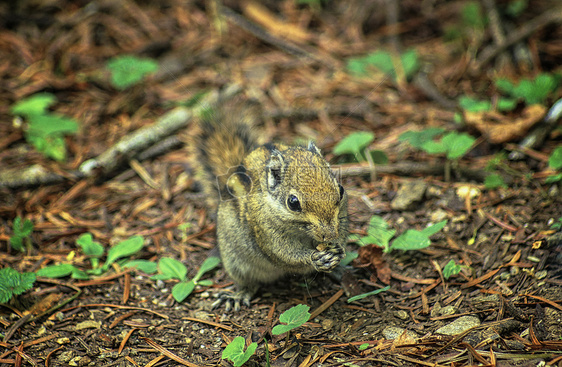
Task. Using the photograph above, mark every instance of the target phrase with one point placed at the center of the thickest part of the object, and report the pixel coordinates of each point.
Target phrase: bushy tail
(224, 141)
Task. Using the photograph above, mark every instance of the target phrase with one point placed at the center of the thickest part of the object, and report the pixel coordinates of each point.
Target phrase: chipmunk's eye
(293, 203)
(342, 191)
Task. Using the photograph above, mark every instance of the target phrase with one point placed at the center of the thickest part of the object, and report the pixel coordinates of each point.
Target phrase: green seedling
(470, 104)
(453, 145)
(21, 239)
(129, 70)
(380, 234)
(555, 163)
(355, 144)
(531, 91)
(452, 268)
(418, 138)
(235, 353)
(403, 69)
(493, 181)
(471, 26)
(148, 267)
(473, 16)
(45, 130)
(92, 249)
(292, 318)
(557, 225)
(363, 346)
(173, 269)
(14, 283)
(516, 7)
(368, 294)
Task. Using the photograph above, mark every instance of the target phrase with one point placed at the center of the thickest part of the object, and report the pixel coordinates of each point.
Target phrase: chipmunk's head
(306, 193)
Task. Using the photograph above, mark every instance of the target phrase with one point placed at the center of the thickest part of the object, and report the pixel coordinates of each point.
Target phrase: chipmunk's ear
(313, 148)
(275, 170)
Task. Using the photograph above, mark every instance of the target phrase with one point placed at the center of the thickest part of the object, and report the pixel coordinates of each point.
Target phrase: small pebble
(459, 326)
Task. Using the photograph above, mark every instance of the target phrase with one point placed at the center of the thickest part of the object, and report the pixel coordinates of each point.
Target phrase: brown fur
(259, 236)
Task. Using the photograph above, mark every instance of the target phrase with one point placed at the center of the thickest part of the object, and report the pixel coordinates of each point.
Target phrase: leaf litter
(510, 275)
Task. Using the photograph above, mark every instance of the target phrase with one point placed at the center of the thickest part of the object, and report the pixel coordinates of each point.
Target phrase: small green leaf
(354, 144)
(382, 60)
(124, 248)
(37, 104)
(56, 271)
(555, 159)
(209, 264)
(89, 246)
(457, 144)
(368, 294)
(410, 63)
(493, 181)
(434, 147)
(553, 178)
(205, 282)
(378, 156)
(516, 7)
(17, 243)
(128, 70)
(13, 283)
(433, 229)
(364, 346)
(181, 290)
(505, 86)
(235, 353)
(418, 138)
(452, 268)
(26, 228)
(470, 104)
(51, 125)
(378, 233)
(472, 15)
(172, 268)
(79, 274)
(148, 267)
(506, 104)
(25, 283)
(21, 231)
(411, 240)
(293, 318)
(349, 257)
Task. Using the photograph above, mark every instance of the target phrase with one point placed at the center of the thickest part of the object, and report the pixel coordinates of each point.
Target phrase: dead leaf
(371, 255)
(498, 128)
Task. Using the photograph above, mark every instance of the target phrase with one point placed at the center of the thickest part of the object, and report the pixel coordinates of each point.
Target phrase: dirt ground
(290, 57)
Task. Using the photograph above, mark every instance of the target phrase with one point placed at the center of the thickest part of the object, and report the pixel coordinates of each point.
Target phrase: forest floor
(305, 66)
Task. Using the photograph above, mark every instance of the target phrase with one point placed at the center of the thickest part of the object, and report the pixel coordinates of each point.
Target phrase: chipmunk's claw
(328, 259)
(232, 299)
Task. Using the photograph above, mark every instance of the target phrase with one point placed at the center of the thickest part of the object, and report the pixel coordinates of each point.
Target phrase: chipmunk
(280, 208)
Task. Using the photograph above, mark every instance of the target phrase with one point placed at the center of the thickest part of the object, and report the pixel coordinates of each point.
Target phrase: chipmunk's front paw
(328, 259)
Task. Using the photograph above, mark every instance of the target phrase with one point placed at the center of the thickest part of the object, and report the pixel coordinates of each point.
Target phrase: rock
(448, 310)
(438, 215)
(394, 332)
(459, 326)
(408, 194)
